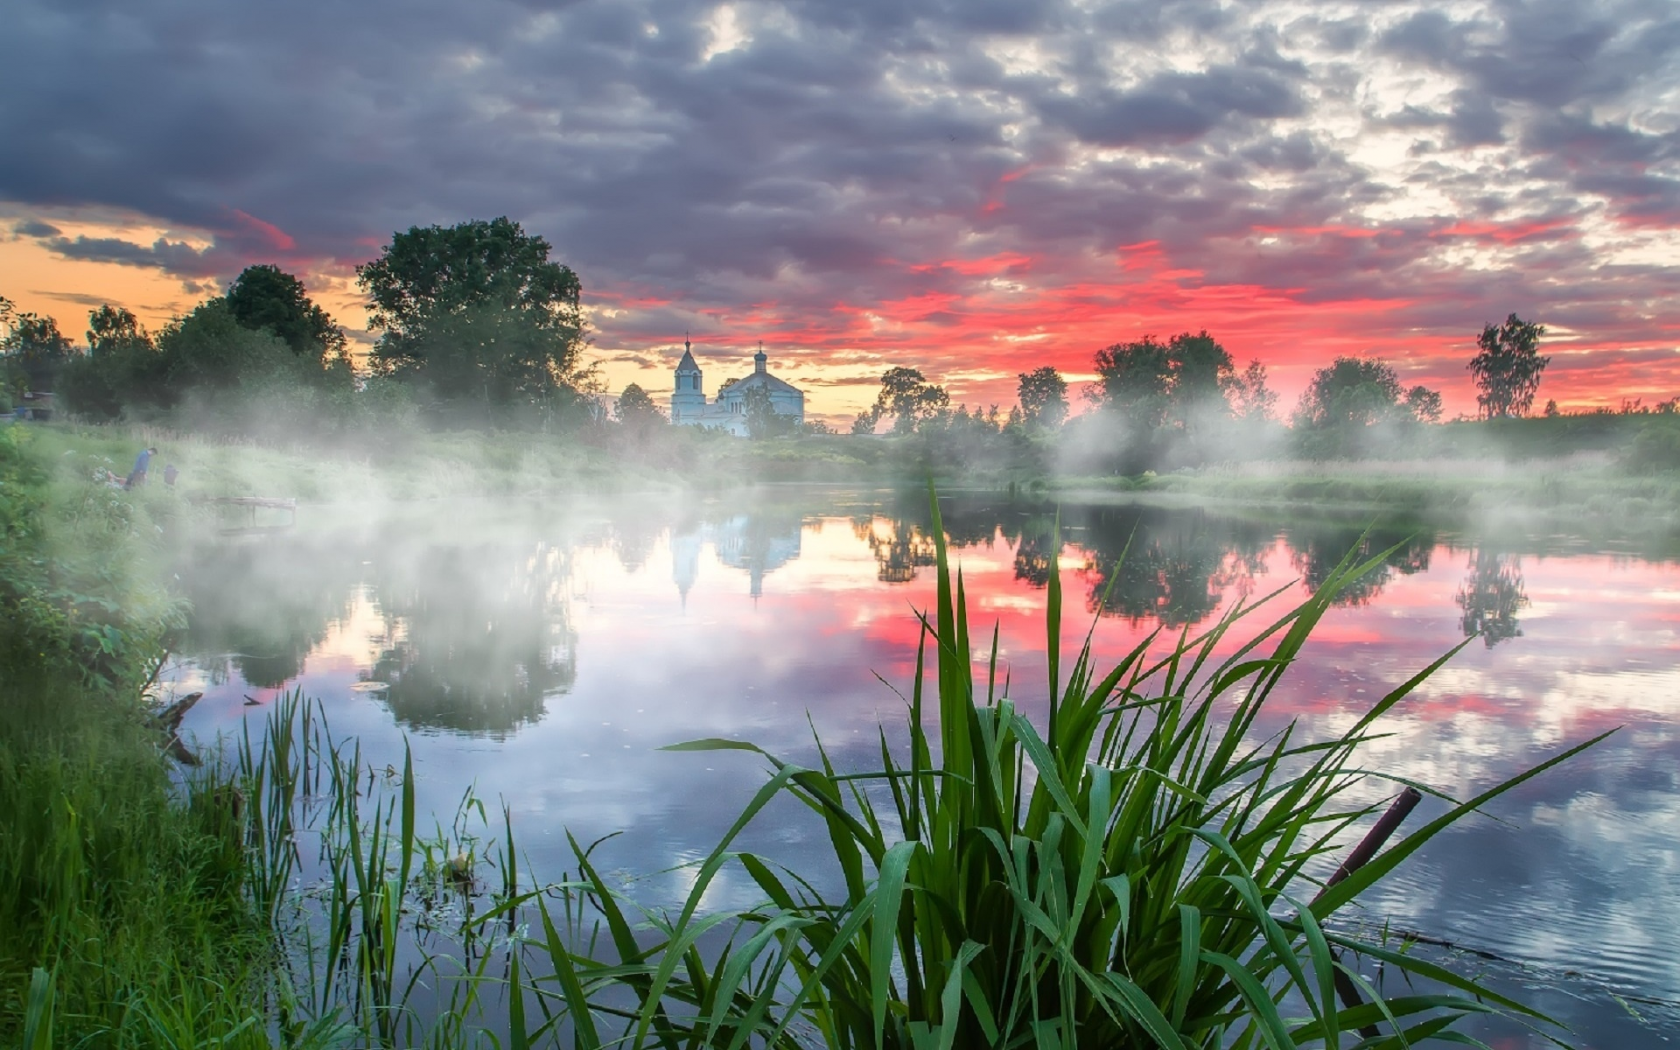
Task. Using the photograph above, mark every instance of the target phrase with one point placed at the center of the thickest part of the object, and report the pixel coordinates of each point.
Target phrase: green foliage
(477, 315)
(1162, 402)
(1252, 400)
(1656, 448)
(267, 298)
(1043, 397)
(1133, 873)
(636, 411)
(1134, 381)
(1355, 405)
(34, 350)
(1423, 404)
(763, 421)
(1507, 367)
(908, 397)
(121, 907)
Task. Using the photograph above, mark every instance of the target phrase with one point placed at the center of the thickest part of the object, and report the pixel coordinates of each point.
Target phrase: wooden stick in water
(1368, 846)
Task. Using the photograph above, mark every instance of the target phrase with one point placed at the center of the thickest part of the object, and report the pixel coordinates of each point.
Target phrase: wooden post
(1368, 846)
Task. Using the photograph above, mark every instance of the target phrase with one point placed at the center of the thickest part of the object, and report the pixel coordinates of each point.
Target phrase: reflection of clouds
(1585, 863)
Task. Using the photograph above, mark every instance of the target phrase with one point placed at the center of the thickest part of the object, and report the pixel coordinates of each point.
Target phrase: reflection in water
(756, 543)
(471, 623)
(477, 636)
(1318, 549)
(1172, 567)
(258, 606)
(900, 545)
(1491, 596)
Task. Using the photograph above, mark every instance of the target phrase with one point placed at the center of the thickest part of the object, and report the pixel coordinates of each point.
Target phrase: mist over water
(541, 653)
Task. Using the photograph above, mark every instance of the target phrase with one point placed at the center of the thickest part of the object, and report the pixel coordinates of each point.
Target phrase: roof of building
(763, 379)
(687, 363)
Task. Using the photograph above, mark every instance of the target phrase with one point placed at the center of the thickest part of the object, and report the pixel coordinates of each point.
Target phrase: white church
(689, 407)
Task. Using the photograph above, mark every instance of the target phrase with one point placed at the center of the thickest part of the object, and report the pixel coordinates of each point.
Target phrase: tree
(35, 351)
(1251, 398)
(1201, 373)
(1351, 392)
(478, 312)
(763, 421)
(1134, 380)
(267, 297)
(113, 329)
(1507, 367)
(1043, 396)
(909, 398)
(866, 422)
(121, 365)
(636, 409)
(209, 349)
(1423, 403)
(1150, 383)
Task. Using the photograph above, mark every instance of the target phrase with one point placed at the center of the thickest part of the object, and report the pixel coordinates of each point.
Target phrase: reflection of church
(756, 544)
(690, 408)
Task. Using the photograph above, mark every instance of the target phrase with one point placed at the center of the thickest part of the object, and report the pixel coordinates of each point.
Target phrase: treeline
(476, 327)
(475, 324)
(1163, 405)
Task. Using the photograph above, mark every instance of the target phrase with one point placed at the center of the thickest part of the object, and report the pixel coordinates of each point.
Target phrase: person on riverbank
(137, 476)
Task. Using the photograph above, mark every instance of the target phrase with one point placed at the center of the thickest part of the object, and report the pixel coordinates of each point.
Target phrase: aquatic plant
(1140, 872)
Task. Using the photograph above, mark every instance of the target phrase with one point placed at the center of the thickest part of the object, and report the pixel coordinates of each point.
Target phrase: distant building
(689, 407)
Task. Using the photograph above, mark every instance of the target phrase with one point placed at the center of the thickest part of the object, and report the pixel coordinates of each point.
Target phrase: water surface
(541, 653)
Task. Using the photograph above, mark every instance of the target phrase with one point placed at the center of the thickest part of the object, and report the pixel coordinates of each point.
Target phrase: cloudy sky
(972, 187)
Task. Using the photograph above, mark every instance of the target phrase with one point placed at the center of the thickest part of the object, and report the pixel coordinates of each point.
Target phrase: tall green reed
(352, 946)
(1135, 874)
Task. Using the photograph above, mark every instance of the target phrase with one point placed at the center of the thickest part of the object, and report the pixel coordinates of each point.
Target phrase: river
(541, 653)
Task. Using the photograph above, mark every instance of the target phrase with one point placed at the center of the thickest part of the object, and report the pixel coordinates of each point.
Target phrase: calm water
(541, 654)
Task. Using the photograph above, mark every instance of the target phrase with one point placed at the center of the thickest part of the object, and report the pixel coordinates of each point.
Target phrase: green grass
(123, 920)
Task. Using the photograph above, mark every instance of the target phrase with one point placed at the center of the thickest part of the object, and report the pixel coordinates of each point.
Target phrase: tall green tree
(908, 397)
(121, 365)
(268, 298)
(1134, 381)
(1350, 392)
(34, 349)
(1507, 367)
(1202, 373)
(635, 408)
(763, 421)
(478, 312)
(114, 329)
(1043, 397)
(1352, 404)
(1151, 383)
(1251, 398)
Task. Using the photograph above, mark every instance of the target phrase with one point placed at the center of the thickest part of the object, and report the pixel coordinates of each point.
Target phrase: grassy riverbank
(120, 889)
(1583, 495)
(1615, 476)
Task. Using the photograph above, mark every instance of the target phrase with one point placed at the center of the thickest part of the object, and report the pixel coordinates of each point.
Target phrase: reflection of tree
(1318, 549)
(1174, 567)
(478, 636)
(1491, 596)
(1032, 557)
(262, 604)
(634, 534)
(900, 547)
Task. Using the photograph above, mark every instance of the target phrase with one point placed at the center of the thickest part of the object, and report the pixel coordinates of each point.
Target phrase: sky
(973, 188)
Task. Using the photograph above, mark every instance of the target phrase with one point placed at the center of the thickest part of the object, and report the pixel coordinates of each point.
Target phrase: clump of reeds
(1138, 872)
